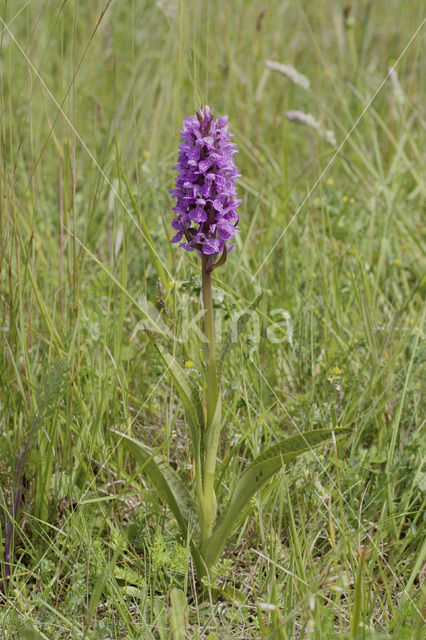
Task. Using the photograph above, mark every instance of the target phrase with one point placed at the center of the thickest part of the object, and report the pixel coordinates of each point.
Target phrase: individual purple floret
(205, 187)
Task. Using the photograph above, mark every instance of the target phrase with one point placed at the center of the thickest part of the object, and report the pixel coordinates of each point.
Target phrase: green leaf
(178, 613)
(235, 332)
(168, 484)
(188, 394)
(28, 634)
(231, 594)
(171, 489)
(259, 472)
(129, 576)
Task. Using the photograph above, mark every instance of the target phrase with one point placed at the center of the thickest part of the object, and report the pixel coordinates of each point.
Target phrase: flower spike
(205, 189)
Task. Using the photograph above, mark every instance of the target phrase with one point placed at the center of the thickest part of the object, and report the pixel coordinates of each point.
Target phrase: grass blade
(235, 332)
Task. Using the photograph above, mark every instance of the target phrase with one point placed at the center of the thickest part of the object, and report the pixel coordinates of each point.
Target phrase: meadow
(331, 157)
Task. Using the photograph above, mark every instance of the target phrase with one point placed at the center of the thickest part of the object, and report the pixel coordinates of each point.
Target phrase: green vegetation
(92, 95)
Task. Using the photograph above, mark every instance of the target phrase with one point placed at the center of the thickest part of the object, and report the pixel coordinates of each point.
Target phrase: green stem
(212, 387)
(213, 409)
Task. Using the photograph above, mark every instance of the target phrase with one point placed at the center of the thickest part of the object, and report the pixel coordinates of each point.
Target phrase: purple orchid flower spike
(206, 187)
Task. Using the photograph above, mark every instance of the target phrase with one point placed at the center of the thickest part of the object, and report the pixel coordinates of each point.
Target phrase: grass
(92, 95)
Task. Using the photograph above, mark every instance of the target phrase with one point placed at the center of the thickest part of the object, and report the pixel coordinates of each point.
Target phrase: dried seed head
(307, 119)
(299, 117)
(396, 87)
(289, 72)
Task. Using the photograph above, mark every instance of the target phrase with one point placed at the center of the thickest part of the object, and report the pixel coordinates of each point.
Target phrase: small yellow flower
(336, 374)
(345, 198)
(146, 155)
(189, 364)
(351, 200)
(330, 182)
(397, 263)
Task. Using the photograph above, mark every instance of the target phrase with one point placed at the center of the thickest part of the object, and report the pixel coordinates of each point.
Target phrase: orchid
(206, 192)
(206, 221)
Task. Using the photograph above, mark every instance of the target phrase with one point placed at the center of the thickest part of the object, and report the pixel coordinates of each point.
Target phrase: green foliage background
(92, 97)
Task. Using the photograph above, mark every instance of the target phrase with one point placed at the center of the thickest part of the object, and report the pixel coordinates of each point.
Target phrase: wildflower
(330, 182)
(345, 198)
(189, 364)
(206, 192)
(352, 200)
(336, 374)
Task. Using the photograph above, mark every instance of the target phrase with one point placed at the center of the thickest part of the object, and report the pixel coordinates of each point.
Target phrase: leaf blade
(187, 393)
(255, 476)
(168, 484)
(173, 491)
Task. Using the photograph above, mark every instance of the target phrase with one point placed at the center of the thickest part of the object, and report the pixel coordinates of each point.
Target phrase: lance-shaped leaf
(170, 488)
(188, 394)
(235, 332)
(260, 470)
